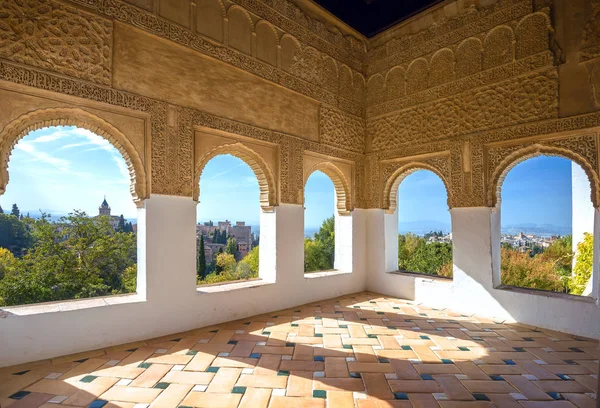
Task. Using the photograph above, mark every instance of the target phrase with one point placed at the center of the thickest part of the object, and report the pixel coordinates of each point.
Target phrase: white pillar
(342, 260)
(267, 265)
(390, 225)
(582, 207)
(170, 248)
(289, 244)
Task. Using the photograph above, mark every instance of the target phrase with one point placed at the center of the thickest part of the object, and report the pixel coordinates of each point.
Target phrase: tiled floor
(361, 350)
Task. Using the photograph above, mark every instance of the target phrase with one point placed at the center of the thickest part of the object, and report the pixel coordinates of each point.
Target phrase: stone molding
(38, 119)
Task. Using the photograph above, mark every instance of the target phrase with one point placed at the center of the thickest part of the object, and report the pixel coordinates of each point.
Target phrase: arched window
(68, 221)
(319, 223)
(228, 222)
(546, 226)
(424, 231)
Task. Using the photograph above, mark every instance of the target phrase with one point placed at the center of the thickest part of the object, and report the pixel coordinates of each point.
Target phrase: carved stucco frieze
(590, 41)
(154, 24)
(342, 130)
(528, 98)
(444, 33)
(56, 37)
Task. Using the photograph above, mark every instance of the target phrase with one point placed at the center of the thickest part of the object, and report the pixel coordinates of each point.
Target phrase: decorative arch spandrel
(43, 118)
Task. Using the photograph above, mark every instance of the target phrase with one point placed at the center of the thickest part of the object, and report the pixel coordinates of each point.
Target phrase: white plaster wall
(171, 302)
(342, 260)
(582, 207)
(390, 225)
(475, 231)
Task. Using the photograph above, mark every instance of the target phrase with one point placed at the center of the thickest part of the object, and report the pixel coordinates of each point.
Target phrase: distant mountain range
(537, 229)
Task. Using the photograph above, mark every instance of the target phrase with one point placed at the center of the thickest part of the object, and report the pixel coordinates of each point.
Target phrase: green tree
(415, 254)
(216, 238)
(251, 259)
(520, 269)
(231, 247)
(121, 225)
(75, 258)
(319, 252)
(15, 211)
(201, 272)
(225, 263)
(7, 261)
(582, 272)
(1, 210)
(14, 235)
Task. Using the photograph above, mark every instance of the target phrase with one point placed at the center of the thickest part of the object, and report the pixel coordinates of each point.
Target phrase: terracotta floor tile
(323, 354)
(90, 392)
(256, 398)
(377, 386)
(210, 400)
(188, 377)
(171, 396)
(296, 402)
(300, 384)
(340, 399)
(414, 386)
(262, 381)
(423, 401)
(224, 380)
(338, 384)
(131, 394)
(453, 388)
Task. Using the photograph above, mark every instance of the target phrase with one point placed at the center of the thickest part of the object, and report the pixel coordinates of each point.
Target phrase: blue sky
(64, 168)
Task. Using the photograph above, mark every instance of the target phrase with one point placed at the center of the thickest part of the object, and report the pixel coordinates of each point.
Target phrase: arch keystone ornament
(43, 118)
(390, 190)
(262, 171)
(505, 158)
(343, 201)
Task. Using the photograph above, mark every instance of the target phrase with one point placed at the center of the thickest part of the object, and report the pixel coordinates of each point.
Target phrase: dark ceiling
(371, 17)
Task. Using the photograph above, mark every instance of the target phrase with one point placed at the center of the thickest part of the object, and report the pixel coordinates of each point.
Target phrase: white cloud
(123, 170)
(43, 157)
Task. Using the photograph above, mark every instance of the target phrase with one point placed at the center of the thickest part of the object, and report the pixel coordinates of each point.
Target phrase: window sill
(70, 305)
(229, 286)
(323, 274)
(546, 293)
(424, 276)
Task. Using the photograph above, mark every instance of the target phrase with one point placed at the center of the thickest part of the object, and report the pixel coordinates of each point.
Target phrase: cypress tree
(15, 211)
(201, 260)
(1, 210)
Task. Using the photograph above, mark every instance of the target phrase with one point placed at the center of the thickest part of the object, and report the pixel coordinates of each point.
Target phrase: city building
(104, 211)
(367, 92)
(240, 231)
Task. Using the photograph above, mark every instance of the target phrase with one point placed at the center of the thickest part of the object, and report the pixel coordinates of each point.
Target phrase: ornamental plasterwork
(444, 33)
(340, 129)
(501, 158)
(50, 35)
(590, 42)
(164, 28)
(528, 98)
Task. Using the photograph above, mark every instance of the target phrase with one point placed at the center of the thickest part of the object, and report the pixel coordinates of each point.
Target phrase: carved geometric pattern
(342, 130)
(498, 47)
(444, 33)
(475, 80)
(468, 57)
(151, 23)
(47, 34)
(264, 174)
(343, 194)
(532, 35)
(590, 42)
(582, 150)
(38, 119)
(393, 173)
(441, 67)
(527, 98)
(416, 76)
